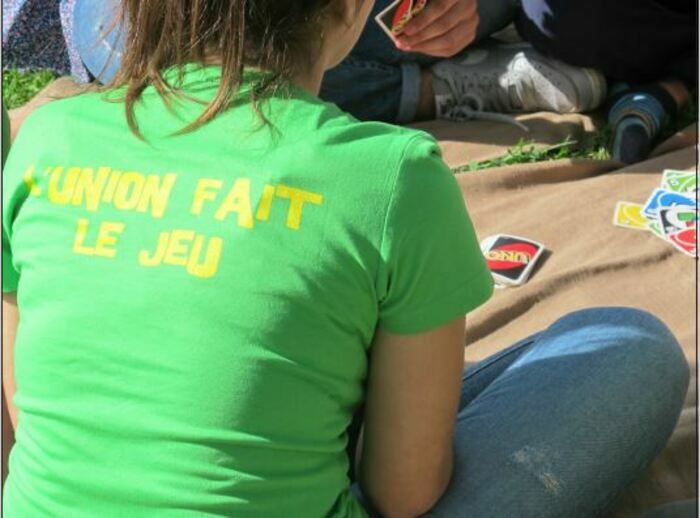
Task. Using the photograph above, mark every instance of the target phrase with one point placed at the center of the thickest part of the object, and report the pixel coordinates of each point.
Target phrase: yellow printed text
(104, 243)
(194, 252)
(239, 200)
(85, 186)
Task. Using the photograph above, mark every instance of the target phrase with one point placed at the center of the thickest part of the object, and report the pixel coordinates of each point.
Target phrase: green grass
(525, 152)
(19, 87)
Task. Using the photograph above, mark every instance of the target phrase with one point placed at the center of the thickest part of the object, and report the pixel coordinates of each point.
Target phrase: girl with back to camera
(207, 271)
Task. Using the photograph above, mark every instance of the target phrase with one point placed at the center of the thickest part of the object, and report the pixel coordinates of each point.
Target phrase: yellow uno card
(629, 215)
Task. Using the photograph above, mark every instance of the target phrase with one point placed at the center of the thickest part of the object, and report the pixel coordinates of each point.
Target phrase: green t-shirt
(196, 310)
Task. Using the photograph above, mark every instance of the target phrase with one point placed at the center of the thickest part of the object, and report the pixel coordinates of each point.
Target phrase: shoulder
(60, 114)
(377, 136)
(376, 147)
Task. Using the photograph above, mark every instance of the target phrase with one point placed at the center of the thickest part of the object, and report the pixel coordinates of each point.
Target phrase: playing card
(652, 205)
(396, 16)
(655, 228)
(686, 241)
(629, 215)
(684, 182)
(676, 218)
(663, 199)
(511, 259)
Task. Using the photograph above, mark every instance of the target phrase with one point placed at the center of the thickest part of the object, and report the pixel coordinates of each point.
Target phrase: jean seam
(410, 92)
(367, 65)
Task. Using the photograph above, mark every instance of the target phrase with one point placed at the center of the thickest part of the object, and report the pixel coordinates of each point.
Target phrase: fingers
(441, 26)
(446, 45)
(442, 30)
(434, 10)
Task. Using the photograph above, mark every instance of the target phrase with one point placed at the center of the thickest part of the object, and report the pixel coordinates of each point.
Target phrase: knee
(642, 344)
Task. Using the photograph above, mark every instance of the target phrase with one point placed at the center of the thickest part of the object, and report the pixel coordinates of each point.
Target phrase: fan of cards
(511, 259)
(396, 16)
(670, 213)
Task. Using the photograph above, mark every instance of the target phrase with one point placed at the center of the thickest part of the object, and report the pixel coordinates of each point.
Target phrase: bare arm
(10, 319)
(412, 399)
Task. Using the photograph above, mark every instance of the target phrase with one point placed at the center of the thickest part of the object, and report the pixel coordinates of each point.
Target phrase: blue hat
(98, 38)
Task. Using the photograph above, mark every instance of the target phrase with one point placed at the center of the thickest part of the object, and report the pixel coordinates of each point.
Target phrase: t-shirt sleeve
(432, 269)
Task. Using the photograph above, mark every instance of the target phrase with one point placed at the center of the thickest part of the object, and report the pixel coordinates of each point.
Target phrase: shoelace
(467, 103)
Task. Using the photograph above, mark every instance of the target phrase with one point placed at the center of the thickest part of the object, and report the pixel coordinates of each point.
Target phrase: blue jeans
(556, 425)
(379, 82)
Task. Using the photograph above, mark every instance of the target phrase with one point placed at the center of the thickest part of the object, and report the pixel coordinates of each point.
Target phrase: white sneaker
(487, 82)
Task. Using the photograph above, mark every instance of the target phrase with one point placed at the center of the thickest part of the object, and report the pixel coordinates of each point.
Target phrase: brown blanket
(568, 206)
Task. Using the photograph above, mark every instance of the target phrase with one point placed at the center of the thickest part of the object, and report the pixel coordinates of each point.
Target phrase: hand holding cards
(396, 16)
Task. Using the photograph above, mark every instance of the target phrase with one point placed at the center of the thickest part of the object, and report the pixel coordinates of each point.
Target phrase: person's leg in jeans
(679, 509)
(379, 82)
(560, 423)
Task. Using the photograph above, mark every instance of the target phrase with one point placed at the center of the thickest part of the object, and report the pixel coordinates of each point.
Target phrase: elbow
(408, 498)
(408, 506)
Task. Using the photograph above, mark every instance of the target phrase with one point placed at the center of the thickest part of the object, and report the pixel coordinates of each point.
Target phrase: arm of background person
(412, 398)
(443, 29)
(10, 319)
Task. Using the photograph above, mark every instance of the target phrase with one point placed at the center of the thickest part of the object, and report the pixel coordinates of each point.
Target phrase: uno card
(677, 218)
(655, 228)
(663, 199)
(686, 240)
(629, 215)
(684, 182)
(511, 259)
(652, 205)
(396, 16)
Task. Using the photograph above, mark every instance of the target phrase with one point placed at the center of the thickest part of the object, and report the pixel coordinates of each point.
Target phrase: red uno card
(686, 240)
(511, 259)
(396, 16)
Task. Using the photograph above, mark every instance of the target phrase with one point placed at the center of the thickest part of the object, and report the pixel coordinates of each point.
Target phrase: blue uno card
(671, 199)
(664, 199)
(652, 205)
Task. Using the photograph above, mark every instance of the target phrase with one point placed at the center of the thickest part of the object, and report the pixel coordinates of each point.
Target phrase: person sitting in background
(403, 81)
(413, 78)
(445, 65)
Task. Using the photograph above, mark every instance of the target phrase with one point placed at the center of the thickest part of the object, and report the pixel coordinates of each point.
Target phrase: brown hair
(280, 36)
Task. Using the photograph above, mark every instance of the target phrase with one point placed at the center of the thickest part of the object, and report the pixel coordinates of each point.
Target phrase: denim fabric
(680, 509)
(379, 82)
(559, 423)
